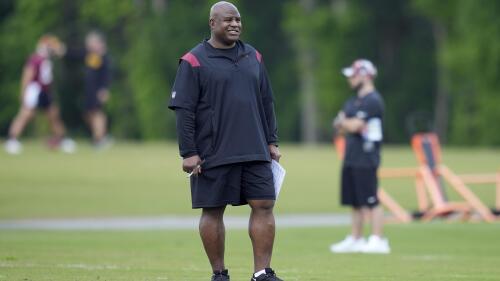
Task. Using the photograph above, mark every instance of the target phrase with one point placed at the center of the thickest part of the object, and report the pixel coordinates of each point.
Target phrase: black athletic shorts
(232, 184)
(44, 101)
(92, 101)
(359, 187)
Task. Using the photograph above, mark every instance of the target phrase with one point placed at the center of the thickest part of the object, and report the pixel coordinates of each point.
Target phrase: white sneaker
(377, 245)
(348, 245)
(104, 144)
(68, 145)
(13, 146)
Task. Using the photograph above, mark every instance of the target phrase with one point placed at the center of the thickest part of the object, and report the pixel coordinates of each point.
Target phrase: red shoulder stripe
(258, 55)
(191, 59)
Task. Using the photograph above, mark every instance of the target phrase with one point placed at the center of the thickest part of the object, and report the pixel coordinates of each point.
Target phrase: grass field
(137, 180)
(432, 252)
(145, 180)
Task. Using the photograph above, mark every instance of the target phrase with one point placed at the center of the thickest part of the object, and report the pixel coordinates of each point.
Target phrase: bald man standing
(227, 134)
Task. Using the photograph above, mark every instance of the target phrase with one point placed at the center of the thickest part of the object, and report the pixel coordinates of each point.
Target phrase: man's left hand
(103, 95)
(337, 122)
(275, 152)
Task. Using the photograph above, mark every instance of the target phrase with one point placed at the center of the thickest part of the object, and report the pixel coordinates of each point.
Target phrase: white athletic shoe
(348, 245)
(68, 145)
(377, 245)
(104, 144)
(13, 146)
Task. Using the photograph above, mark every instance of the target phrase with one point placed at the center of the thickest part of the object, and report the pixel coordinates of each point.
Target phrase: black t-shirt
(96, 73)
(231, 53)
(230, 99)
(363, 149)
(97, 69)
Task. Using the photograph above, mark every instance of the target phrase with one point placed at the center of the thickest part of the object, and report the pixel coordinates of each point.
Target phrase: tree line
(438, 61)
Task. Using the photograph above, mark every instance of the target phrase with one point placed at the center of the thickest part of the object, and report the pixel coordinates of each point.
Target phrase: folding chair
(430, 189)
(432, 176)
(486, 179)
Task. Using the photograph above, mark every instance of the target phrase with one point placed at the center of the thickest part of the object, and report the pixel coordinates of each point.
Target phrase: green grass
(141, 180)
(440, 252)
(136, 180)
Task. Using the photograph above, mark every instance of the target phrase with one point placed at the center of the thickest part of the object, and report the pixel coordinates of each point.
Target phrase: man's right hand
(337, 122)
(192, 164)
(103, 95)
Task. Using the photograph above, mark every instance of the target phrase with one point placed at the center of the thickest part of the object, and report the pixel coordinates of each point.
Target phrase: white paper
(278, 175)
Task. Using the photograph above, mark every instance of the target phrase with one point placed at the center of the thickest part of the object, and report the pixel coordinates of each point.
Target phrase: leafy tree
(439, 58)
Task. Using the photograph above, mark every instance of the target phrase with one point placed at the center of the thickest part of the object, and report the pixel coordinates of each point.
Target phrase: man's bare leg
(98, 124)
(261, 230)
(56, 124)
(212, 232)
(357, 223)
(20, 121)
(377, 218)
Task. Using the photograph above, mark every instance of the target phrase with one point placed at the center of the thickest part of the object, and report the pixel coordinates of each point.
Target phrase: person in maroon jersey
(36, 95)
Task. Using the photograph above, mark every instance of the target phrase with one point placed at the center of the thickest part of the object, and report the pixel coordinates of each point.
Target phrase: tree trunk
(441, 103)
(309, 132)
(159, 6)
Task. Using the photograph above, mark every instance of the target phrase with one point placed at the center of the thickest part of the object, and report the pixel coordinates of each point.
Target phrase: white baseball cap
(360, 66)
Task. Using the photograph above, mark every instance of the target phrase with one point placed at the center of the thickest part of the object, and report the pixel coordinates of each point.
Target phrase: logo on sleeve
(174, 93)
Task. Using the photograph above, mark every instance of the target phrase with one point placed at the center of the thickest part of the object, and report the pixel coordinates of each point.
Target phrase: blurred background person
(361, 122)
(97, 77)
(36, 95)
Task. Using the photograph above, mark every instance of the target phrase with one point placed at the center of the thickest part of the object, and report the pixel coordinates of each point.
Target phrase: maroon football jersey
(42, 68)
